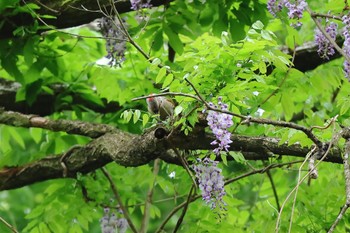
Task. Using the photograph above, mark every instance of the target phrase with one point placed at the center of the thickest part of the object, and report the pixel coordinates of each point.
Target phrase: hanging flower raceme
(295, 8)
(115, 40)
(211, 182)
(110, 223)
(325, 48)
(219, 123)
(346, 45)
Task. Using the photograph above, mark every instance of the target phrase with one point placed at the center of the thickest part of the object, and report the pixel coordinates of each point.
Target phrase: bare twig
(268, 173)
(297, 188)
(227, 182)
(169, 94)
(179, 221)
(185, 165)
(329, 38)
(148, 202)
(333, 141)
(12, 228)
(347, 187)
(284, 79)
(116, 194)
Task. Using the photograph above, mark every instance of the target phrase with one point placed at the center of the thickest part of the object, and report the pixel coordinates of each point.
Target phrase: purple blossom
(138, 4)
(219, 123)
(325, 48)
(273, 7)
(295, 9)
(211, 182)
(115, 40)
(110, 223)
(346, 45)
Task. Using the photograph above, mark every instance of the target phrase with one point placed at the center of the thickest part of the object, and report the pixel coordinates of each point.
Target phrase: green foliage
(224, 48)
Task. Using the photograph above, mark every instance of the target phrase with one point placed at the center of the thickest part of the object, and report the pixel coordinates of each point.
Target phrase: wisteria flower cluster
(110, 223)
(325, 48)
(211, 182)
(219, 123)
(115, 40)
(139, 4)
(346, 45)
(295, 8)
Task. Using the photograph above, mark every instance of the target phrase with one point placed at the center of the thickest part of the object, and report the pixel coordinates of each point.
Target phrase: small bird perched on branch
(160, 105)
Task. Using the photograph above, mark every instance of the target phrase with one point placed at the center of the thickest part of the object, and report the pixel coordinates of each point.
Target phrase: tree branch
(71, 127)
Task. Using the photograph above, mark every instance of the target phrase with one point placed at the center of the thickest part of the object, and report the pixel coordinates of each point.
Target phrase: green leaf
(145, 119)
(169, 78)
(174, 40)
(33, 90)
(223, 158)
(161, 75)
(137, 115)
(28, 51)
(178, 110)
(258, 25)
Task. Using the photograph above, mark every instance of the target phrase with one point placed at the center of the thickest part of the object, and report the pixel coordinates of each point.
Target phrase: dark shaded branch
(67, 13)
(45, 104)
(71, 127)
(123, 148)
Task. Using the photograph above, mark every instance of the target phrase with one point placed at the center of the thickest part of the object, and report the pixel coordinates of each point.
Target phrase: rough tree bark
(127, 149)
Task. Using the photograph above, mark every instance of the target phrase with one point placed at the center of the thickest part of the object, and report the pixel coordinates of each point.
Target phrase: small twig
(46, 7)
(148, 202)
(179, 221)
(260, 171)
(329, 38)
(64, 156)
(347, 187)
(310, 154)
(285, 76)
(12, 228)
(268, 173)
(116, 195)
(333, 141)
(168, 94)
(339, 217)
(186, 166)
(227, 182)
(332, 120)
(248, 119)
(314, 14)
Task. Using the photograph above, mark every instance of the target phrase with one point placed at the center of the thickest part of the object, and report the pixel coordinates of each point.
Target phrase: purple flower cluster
(346, 45)
(110, 223)
(115, 40)
(295, 8)
(211, 182)
(325, 48)
(219, 123)
(138, 4)
(273, 7)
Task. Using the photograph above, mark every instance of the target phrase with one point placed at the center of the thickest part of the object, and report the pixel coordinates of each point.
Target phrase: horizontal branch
(71, 127)
(132, 150)
(46, 104)
(123, 148)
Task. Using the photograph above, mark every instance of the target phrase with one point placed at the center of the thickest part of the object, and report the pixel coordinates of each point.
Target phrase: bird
(160, 105)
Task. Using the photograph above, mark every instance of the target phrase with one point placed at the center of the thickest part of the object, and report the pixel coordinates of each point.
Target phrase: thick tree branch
(67, 13)
(45, 104)
(135, 150)
(71, 127)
